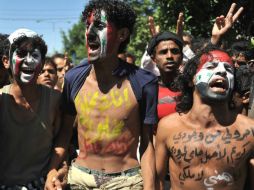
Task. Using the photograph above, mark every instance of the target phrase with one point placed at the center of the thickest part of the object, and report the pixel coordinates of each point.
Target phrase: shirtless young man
(209, 145)
(29, 116)
(115, 103)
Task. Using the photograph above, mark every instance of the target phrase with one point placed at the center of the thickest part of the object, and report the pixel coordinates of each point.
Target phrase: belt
(37, 184)
(130, 172)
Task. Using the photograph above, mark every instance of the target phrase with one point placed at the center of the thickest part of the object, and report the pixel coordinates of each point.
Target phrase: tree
(200, 15)
(199, 19)
(74, 41)
(141, 35)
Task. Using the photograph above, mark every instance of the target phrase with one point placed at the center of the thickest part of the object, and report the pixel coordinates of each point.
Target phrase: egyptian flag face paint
(100, 36)
(26, 66)
(215, 76)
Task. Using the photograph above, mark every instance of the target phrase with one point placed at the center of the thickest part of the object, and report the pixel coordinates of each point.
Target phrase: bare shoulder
(243, 121)
(167, 125)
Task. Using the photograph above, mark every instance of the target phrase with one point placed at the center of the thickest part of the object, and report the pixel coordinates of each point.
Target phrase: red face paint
(214, 56)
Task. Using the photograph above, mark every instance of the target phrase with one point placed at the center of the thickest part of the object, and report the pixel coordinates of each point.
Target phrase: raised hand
(223, 24)
(153, 29)
(180, 25)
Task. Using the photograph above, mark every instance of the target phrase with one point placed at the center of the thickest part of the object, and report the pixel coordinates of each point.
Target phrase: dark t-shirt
(143, 83)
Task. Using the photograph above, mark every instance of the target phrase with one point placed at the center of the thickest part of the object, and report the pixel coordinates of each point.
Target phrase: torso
(213, 158)
(27, 129)
(108, 126)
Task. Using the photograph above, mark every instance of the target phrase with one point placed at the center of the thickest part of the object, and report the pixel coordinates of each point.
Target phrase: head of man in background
(165, 50)
(4, 60)
(48, 75)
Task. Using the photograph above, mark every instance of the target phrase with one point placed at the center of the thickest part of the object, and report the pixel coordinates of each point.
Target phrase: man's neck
(210, 114)
(28, 92)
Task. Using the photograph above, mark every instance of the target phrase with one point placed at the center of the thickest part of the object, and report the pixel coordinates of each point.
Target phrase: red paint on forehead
(215, 55)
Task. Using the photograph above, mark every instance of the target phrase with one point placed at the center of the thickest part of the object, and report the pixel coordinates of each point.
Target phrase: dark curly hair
(32, 42)
(4, 47)
(117, 12)
(184, 80)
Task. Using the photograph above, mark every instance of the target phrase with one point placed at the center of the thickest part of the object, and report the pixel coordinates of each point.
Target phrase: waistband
(130, 172)
(37, 184)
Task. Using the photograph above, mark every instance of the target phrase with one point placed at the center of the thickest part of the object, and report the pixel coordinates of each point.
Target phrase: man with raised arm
(209, 144)
(115, 103)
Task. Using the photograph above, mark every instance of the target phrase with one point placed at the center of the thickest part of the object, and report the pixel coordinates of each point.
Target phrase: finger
(179, 24)
(180, 17)
(252, 162)
(151, 25)
(237, 14)
(58, 184)
(157, 29)
(231, 10)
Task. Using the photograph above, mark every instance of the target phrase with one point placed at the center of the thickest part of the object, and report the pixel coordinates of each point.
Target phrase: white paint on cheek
(103, 35)
(203, 75)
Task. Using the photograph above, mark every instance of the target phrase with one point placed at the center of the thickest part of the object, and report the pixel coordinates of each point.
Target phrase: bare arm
(147, 157)
(61, 146)
(223, 24)
(161, 156)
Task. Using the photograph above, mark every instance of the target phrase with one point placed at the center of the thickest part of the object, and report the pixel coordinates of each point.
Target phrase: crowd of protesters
(181, 120)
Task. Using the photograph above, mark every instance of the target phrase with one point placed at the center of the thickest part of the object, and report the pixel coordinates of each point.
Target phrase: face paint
(215, 76)
(100, 35)
(26, 67)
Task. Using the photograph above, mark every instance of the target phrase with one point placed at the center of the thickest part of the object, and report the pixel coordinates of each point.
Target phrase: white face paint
(215, 80)
(26, 66)
(97, 35)
(100, 36)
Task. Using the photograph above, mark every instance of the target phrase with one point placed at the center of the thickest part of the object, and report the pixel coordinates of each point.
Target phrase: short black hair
(163, 36)
(117, 12)
(243, 79)
(4, 47)
(50, 61)
(35, 41)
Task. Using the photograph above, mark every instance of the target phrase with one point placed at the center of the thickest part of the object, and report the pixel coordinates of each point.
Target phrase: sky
(46, 17)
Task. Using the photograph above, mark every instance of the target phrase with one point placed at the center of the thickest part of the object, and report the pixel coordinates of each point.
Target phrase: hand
(51, 177)
(180, 25)
(153, 29)
(223, 24)
(57, 180)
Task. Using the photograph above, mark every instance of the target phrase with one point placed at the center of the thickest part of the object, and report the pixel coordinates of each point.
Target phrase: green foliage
(74, 41)
(141, 33)
(199, 18)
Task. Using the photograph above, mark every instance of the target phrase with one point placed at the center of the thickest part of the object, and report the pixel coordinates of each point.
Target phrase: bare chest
(217, 155)
(104, 116)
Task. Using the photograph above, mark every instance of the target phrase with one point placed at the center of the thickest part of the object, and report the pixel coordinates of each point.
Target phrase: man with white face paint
(209, 144)
(29, 116)
(115, 104)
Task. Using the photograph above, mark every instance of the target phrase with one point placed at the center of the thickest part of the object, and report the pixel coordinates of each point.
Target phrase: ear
(123, 34)
(6, 62)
